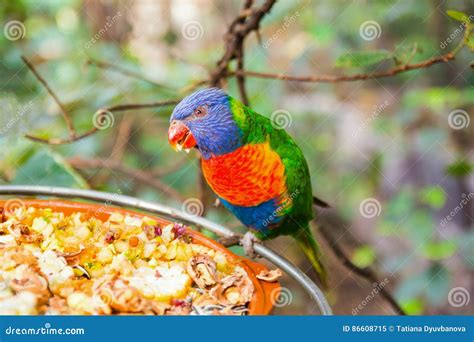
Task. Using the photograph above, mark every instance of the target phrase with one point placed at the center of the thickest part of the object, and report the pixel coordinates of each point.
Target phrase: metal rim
(127, 201)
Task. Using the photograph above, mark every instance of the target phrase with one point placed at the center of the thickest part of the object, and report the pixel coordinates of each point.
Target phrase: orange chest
(250, 175)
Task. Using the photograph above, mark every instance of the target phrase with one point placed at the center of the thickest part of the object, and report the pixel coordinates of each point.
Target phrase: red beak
(180, 137)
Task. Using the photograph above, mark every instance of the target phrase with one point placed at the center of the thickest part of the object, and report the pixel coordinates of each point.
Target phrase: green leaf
(434, 196)
(413, 306)
(459, 169)
(404, 52)
(46, 167)
(439, 250)
(364, 256)
(362, 58)
(459, 16)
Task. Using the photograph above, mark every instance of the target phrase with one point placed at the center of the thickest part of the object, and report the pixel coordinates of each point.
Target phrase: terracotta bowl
(265, 292)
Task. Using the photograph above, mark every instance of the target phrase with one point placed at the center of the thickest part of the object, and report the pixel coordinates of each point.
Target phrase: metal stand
(126, 201)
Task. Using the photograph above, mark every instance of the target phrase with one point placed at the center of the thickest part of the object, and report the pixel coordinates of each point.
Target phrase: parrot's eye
(200, 111)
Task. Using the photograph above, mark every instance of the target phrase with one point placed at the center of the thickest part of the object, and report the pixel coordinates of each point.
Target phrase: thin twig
(123, 71)
(162, 171)
(128, 106)
(174, 53)
(119, 147)
(347, 78)
(366, 273)
(123, 135)
(61, 141)
(64, 112)
(139, 175)
(115, 108)
(194, 85)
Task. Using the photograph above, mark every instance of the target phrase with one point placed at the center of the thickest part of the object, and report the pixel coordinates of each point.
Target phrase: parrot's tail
(311, 249)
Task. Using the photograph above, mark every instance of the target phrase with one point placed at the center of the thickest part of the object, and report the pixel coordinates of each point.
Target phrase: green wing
(258, 129)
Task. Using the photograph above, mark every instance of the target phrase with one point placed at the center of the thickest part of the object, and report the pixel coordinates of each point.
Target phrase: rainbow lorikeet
(256, 170)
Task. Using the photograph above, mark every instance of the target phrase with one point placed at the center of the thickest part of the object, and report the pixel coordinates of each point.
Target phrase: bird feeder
(60, 200)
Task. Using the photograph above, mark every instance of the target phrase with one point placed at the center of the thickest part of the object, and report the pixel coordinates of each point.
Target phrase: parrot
(254, 167)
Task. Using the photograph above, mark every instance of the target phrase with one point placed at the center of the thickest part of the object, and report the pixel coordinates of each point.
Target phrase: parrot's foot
(217, 203)
(247, 242)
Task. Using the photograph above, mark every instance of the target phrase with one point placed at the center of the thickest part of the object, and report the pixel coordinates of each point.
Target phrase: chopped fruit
(52, 263)
(133, 241)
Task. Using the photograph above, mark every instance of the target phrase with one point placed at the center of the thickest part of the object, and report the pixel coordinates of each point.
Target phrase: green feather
(259, 129)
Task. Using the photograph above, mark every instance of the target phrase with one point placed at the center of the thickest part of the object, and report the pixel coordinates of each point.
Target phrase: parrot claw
(247, 242)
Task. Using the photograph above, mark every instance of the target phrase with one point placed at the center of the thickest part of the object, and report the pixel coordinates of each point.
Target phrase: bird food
(53, 263)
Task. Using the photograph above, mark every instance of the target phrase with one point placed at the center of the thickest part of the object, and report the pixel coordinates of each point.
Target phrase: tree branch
(247, 21)
(115, 108)
(347, 78)
(64, 112)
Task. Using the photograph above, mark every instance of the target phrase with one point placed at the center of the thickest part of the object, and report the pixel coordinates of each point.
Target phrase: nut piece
(29, 280)
(235, 289)
(270, 276)
(202, 269)
(127, 299)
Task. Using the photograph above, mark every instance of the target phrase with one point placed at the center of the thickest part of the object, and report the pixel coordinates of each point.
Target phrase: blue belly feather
(260, 217)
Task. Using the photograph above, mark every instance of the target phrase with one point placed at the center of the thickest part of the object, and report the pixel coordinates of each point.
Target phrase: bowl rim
(265, 293)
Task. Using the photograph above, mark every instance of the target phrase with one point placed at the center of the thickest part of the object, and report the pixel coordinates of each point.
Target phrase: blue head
(204, 120)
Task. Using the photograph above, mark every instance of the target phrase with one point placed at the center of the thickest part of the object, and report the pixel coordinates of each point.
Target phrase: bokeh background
(392, 156)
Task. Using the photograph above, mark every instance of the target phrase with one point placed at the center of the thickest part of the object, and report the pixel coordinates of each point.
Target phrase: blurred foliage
(388, 139)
